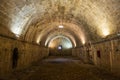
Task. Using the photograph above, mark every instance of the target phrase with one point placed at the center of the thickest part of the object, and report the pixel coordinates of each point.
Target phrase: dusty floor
(59, 68)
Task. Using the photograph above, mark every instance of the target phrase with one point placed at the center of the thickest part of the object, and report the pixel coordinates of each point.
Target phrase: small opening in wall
(98, 54)
(60, 47)
(15, 58)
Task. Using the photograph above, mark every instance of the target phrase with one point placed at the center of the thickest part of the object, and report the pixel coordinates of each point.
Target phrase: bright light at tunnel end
(67, 44)
(60, 26)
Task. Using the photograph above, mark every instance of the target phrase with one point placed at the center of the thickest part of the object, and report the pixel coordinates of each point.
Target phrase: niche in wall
(98, 54)
(15, 58)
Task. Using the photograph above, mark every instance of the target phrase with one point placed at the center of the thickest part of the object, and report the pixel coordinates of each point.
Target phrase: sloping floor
(62, 68)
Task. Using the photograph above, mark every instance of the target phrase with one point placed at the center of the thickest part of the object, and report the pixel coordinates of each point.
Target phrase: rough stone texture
(116, 56)
(32, 19)
(108, 59)
(61, 68)
(64, 52)
(27, 53)
(79, 52)
(35, 21)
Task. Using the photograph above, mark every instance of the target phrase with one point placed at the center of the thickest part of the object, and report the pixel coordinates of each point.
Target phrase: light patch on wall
(20, 20)
(79, 32)
(104, 28)
(38, 39)
(74, 43)
(83, 41)
(51, 45)
(68, 45)
(82, 37)
(18, 26)
(105, 31)
(98, 18)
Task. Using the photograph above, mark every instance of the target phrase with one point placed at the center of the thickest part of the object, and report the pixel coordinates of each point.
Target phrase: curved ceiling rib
(90, 20)
(40, 33)
(62, 41)
(54, 34)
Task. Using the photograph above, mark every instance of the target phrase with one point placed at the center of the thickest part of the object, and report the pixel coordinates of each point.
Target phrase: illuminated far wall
(65, 43)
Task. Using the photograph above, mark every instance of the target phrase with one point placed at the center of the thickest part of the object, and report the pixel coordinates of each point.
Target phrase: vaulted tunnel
(35, 29)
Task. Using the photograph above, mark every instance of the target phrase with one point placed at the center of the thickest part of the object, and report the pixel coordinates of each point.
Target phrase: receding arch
(60, 40)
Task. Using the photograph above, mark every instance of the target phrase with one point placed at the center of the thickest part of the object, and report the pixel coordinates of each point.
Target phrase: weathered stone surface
(27, 54)
(105, 55)
(62, 68)
(95, 18)
(37, 21)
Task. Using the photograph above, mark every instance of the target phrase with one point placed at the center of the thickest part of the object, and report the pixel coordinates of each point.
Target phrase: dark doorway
(15, 58)
(98, 54)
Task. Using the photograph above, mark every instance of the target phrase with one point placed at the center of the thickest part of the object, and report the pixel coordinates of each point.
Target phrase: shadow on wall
(61, 52)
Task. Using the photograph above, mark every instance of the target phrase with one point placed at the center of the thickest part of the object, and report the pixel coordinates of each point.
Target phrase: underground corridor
(59, 39)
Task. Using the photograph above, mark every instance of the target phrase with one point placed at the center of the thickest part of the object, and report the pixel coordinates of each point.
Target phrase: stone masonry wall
(56, 52)
(27, 54)
(105, 55)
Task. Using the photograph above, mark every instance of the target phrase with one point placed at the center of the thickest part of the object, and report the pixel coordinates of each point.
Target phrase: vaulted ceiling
(37, 21)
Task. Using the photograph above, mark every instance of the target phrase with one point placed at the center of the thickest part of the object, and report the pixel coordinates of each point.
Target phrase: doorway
(15, 58)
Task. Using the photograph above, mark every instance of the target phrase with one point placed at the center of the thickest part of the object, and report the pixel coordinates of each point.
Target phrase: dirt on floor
(62, 68)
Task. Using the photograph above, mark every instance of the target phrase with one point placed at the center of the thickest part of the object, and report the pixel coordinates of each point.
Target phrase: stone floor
(61, 68)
